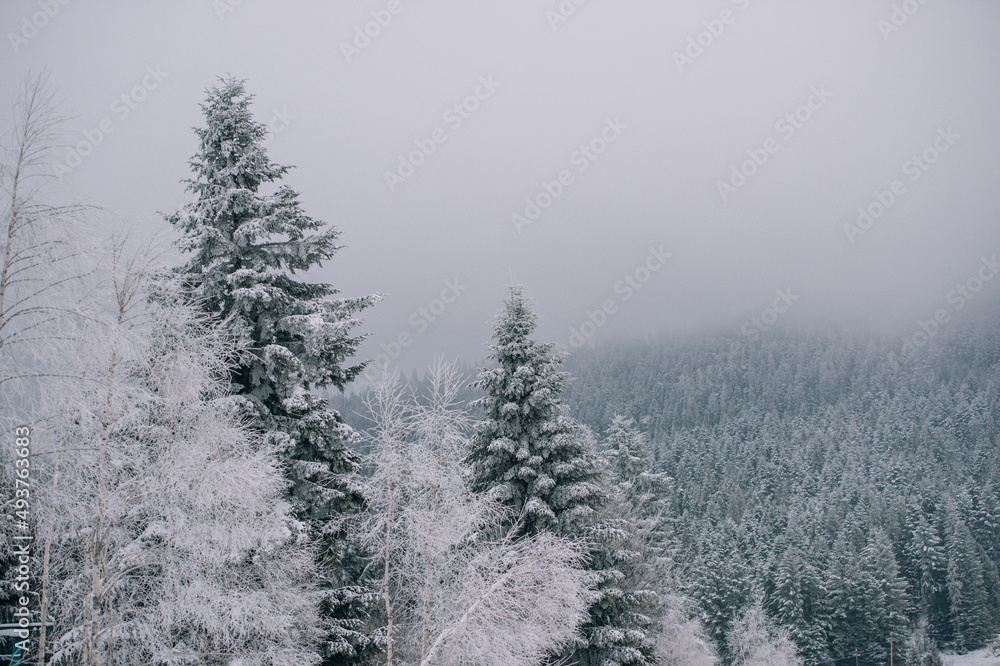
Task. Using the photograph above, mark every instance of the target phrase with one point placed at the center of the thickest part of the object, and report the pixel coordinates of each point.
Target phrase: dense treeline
(855, 487)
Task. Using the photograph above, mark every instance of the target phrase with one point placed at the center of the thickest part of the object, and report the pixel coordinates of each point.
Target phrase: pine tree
(646, 494)
(970, 616)
(926, 564)
(528, 454)
(984, 521)
(796, 599)
(639, 510)
(940, 627)
(721, 580)
(845, 601)
(982, 516)
(246, 247)
(883, 593)
(618, 630)
(867, 599)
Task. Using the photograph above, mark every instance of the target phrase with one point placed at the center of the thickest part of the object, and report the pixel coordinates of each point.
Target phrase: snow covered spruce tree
(795, 598)
(866, 596)
(643, 498)
(171, 541)
(527, 454)
(967, 589)
(619, 629)
(640, 598)
(925, 566)
(719, 575)
(246, 246)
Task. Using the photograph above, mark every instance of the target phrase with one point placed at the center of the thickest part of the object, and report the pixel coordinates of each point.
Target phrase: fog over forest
(845, 105)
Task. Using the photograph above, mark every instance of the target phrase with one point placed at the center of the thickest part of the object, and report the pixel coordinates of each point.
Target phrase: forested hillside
(855, 487)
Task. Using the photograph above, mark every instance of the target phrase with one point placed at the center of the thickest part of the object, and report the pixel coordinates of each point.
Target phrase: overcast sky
(738, 137)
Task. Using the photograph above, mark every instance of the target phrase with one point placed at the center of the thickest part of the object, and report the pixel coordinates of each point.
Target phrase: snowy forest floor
(982, 657)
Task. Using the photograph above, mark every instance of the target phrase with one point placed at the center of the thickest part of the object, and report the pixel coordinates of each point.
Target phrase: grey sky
(672, 129)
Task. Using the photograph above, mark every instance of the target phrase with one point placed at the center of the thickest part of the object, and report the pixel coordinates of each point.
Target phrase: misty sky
(622, 121)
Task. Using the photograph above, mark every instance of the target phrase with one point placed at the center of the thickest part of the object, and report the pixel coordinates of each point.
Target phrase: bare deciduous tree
(41, 251)
(42, 262)
(682, 640)
(755, 640)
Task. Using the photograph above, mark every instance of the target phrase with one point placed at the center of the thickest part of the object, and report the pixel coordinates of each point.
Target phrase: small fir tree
(526, 452)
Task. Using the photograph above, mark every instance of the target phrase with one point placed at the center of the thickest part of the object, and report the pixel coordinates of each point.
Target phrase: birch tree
(42, 261)
(171, 542)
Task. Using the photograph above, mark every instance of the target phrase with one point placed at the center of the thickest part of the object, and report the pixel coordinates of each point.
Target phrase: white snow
(982, 657)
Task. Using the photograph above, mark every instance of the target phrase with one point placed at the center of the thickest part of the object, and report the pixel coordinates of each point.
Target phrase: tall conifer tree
(529, 454)
(970, 613)
(245, 247)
